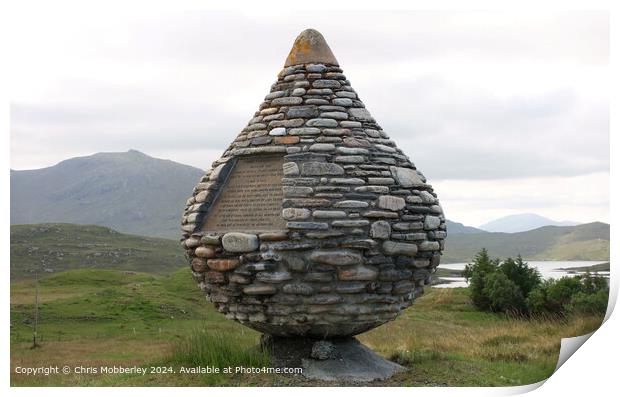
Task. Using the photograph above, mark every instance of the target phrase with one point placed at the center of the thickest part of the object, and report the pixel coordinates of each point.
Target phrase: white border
(591, 370)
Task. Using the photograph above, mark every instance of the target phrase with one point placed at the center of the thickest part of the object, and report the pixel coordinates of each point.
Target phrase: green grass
(203, 348)
(93, 317)
(444, 340)
(56, 247)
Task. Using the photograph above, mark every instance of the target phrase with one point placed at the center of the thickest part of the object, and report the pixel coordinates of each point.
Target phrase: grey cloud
(226, 37)
(475, 135)
(451, 131)
(449, 136)
(202, 36)
(118, 128)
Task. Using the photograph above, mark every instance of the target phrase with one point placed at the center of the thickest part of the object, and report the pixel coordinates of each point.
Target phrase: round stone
(205, 252)
(380, 229)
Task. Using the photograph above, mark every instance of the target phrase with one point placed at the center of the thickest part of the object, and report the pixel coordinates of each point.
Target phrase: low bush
(589, 303)
(503, 294)
(585, 293)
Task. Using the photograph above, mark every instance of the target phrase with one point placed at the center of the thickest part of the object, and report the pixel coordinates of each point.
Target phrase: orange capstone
(310, 47)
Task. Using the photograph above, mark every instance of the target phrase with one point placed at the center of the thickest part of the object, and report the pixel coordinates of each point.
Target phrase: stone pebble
(239, 242)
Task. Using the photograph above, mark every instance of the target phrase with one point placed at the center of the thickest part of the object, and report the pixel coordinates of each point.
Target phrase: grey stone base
(342, 359)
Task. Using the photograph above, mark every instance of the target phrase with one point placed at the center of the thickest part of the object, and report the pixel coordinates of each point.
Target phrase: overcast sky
(504, 113)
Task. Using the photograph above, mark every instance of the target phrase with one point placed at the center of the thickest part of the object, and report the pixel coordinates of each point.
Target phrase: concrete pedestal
(342, 359)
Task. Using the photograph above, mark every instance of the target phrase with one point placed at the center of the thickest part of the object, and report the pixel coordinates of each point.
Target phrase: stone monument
(313, 224)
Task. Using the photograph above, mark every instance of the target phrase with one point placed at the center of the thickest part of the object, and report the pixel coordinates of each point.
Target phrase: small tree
(500, 286)
(525, 277)
(475, 273)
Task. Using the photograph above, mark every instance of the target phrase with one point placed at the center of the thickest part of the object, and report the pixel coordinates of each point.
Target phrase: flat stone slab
(349, 360)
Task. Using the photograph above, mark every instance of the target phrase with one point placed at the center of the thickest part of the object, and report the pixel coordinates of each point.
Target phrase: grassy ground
(57, 247)
(95, 318)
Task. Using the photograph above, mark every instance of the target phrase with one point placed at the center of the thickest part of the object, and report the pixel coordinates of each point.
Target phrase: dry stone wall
(364, 230)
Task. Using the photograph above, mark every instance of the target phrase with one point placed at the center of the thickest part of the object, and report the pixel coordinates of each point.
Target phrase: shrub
(585, 293)
(503, 294)
(525, 277)
(589, 303)
(593, 283)
(536, 300)
(560, 292)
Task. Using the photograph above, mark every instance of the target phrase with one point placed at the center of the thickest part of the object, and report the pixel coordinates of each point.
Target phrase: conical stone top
(313, 222)
(310, 47)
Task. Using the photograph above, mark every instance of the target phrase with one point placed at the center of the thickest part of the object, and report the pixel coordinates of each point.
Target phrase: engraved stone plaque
(250, 198)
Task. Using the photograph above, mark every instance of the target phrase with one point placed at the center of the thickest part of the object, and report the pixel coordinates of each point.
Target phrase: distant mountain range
(138, 194)
(589, 241)
(522, 223)
(129, 192)
(459, 228)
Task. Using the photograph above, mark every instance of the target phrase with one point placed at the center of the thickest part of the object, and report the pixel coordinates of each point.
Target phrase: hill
(458, 228)
(521, 223)
(130, 192)
(51, 248)
(58, 247)
(589, 241)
